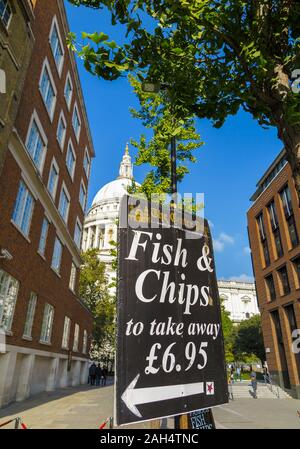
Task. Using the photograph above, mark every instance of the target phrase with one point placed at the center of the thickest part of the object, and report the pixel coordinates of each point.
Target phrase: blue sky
(229, 164)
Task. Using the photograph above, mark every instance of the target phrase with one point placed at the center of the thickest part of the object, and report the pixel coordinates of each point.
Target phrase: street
(88, 407)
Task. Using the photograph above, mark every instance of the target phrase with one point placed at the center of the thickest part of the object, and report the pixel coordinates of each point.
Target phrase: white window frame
(47, 66)
(85, 342)
(29, 320)
(66, 333)
(46, 236)
(49, 308)
(57, 271)
(80, 226)
(70, 143)
(55, 24)
(10, 18)
(73, 277)
(77, 135)
(64, 189)
(83, 206)
(87, 156)
(76, 338)
(23, 209)
(53, 163)
(68, 78)
(35, 118)
(4, 298)
(63, 119)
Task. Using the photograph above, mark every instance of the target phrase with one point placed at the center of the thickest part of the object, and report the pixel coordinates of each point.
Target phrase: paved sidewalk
(82, 407)
(258, 414)
(87, 407)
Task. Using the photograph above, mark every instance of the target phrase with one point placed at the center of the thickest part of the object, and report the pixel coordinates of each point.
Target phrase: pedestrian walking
(254, 384)
(238, 374)
(99, 374)
(104, 376)
(92, 373)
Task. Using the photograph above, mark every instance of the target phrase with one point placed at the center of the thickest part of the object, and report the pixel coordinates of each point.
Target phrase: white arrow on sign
(135, 396)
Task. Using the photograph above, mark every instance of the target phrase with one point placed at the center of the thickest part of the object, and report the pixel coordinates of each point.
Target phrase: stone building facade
(239, 299)
(43, 191)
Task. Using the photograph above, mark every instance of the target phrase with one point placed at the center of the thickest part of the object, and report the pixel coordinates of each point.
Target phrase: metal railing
(273, 387)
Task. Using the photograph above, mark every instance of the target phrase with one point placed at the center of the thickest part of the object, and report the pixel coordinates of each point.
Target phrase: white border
(63, 119)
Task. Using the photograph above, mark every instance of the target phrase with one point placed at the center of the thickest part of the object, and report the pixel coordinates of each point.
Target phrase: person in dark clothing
(92, 373)
(104, 376)
(254, 384)
(99, 374)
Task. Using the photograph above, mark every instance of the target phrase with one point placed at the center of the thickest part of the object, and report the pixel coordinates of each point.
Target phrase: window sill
(20, 231)
(41, 255)
(27, 338)
(9, 333)
(56, 272)
(46, 343)
(64, 349)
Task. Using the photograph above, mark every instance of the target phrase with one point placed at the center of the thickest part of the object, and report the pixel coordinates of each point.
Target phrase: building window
(284, 279)
(296, 265)
(70, 160)
(43, 238)
(30, 315)
(263, 239)
(48, 90)
(66, 333)
(82, 195)
(8, 296)
(73, 274)
(23, 210)
(76, 338)
(68, 90)
(35, 145)
(78, 233)
(61, 130)
(53, 179)
(85, 341)
(57, 46)
(76, 122)
(292, 231)
(271, 287)
(5, 12)
(286, 199)
(57, 255)
(47, 324)
(290, 313)
(275, 229)
(64, 203)
(87, 163)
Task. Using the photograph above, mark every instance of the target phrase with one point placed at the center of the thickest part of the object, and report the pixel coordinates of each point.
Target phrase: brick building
(16, 42)
(274, 233)
(43, 190)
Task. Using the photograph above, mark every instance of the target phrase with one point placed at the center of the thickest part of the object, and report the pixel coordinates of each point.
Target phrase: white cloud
(247, 250)
(242, 278)
(221, 241)
(211, 225)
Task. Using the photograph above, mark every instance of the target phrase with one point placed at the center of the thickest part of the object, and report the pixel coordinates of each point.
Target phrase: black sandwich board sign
(201, 420)
(170, 351)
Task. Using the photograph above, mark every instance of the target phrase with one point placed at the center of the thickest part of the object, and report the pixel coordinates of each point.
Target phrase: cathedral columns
(89, 238)
(96, 242)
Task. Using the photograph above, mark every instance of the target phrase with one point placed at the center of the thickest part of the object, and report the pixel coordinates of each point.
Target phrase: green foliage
(228, 334)
(249, 340)
(93, 290)
(215, 55)
(158, 113)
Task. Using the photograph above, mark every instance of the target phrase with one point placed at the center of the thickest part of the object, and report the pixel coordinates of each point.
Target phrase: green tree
(228, 334)
(94, 291)
(249, 339)
(216, 56)
(157, 113)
